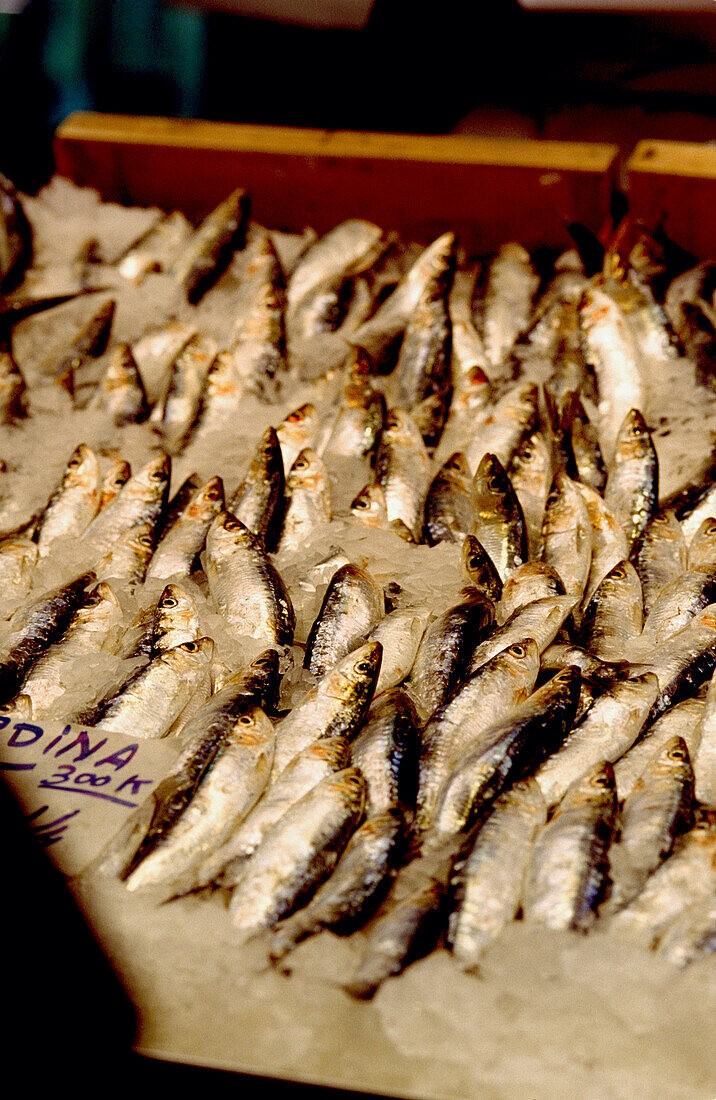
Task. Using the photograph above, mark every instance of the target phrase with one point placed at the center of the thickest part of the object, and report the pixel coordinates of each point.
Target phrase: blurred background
(541, 68)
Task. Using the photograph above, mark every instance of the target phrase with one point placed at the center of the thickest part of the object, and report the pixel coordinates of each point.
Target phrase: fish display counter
(358, 636)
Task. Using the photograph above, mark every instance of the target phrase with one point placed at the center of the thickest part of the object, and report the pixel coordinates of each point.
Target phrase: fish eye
(517, 650)
(677, 753)
(168, 601)
(361, 502)
(600, 780)
(145, 540)
(246, 720)
(364, 666)
(231, 524)
(157, 475)
(190, 647)
(213, 492)
(300, 464)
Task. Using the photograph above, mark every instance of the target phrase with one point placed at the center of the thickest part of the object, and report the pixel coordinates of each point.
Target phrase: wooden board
(672, 185)
(487, 190)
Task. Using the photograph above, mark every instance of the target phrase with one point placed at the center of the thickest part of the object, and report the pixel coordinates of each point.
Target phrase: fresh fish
(155, 353)
(678, 602)
(479, 568)
(408, 923)
(73, 504)
(561, 654)
(512, 283)
(308, 506)
(585, 446)
(567, 535)
(704, 756)
(336, 705)
(535, 580)
(155, 249)
(297, 430)
(467, 350)
(116, 476)
(609, 542)
(660, 555)
(379, 333)
(505, 426)
(632, 489)
(683, 720)
(354, 889)
(35, 627)
(487, 884)
(399, 632)
(512, 749)
(88, 342)
(141, 499)
(258, 342)
(531, 472)
(179, 409)
(606, 732)
(684, 662)
(540, 619)
(464, 722)
(658, 809)
(352, 606)
(220, 233)
(245, 585)
(220, 399)
(423, 366)
(297, 854)
(472, 395)
(498, 520)
(568, 872)
(445, 650)
(259, 500)
(95, 626)
(225, 793)
(701, 552)
(613, 618)
(120, 391)
(449, 509)
(18, 558)
(369, 507)
(386, 750)
(184, 539)
(357, 427)
(402, 470)
(347, 249)
(318, 760)
(686, 877)
(173, 619)
(127, 562)
(612, 352)
(156, 696)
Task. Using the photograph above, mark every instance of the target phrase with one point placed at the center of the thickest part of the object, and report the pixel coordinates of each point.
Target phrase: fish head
(523, 658)
(208, 500)
(195, 654)
(308, 472)
(82, 468)
(369, 505)
(356, 675)
(633, 438)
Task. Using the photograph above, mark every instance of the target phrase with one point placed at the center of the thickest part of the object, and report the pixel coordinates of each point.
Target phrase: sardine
(352, 606)
(184, 539)
(245, 585)
(402, 470)
(120, 391)
(487, 884)
(386, 750)
(297, 854)
(220, 233)
(449, 506)
(498, 520)
(73, 504)
(568, 872)
(632, 489)
(308, 505)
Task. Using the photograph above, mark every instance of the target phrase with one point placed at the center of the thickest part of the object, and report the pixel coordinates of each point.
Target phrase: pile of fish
(397, 571)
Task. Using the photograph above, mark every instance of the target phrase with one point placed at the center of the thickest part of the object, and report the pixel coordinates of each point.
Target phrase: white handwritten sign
(78, 786)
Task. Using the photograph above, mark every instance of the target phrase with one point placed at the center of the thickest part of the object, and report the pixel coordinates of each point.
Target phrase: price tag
(78, 786)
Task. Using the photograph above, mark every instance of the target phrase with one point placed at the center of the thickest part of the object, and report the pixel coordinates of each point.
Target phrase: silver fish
(157, 695)
(568, 870)
(181, 543)
(678, 602)
(608, 729)
(487, 884)
(355, 886)
(660, 555)
(511, 285)
(535, 580)
(308, 507)
(120, 391)
(683, 720)
(449, 509)
(659, 808)
(567, 535)
(73, 504)
(402, 470)
(297, 854)
(613, 618)
(140, 500)
(127, 562)
(352, 606)
(318, 760)
(244, 584)
(540, 619)
(399, 633)
(504, 426)
(632, 489)
(386, 751)
(155, 249)
(297, 430)
(498, 520)
(227, 790)
(219, 233)
(177, 412)
(336, 705)
(345, 250)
